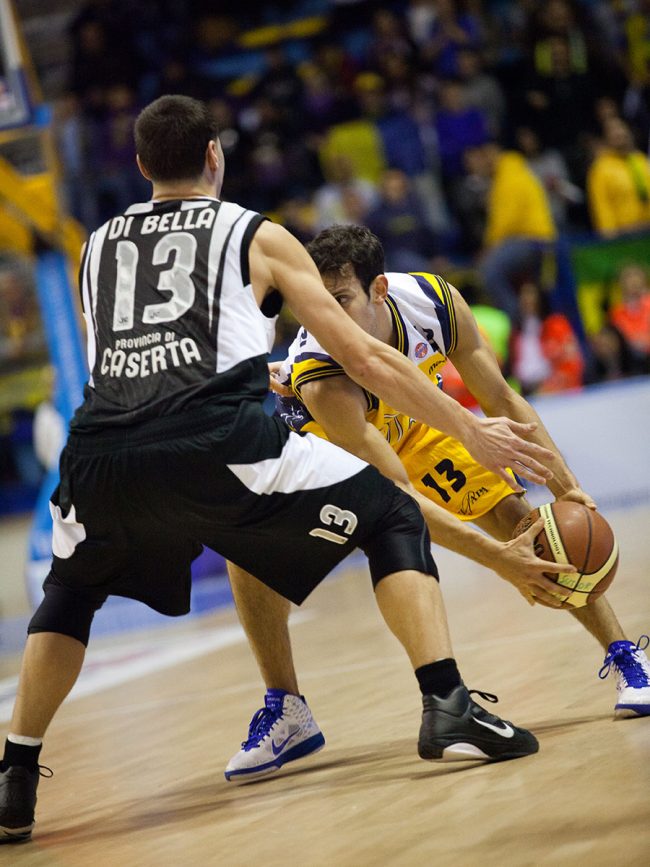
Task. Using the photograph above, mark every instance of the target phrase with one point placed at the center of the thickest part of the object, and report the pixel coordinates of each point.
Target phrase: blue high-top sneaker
(282, 731)
(632, 669)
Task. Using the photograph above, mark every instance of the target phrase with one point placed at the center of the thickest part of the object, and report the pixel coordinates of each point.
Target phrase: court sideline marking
(108, 667)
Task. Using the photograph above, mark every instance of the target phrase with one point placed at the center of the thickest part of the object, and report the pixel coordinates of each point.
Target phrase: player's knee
(400, 542)
(65, 611)
(502, 519)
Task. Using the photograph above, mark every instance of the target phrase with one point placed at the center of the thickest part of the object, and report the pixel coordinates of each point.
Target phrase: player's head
(351, 262)
(177, 140)
(340, 250)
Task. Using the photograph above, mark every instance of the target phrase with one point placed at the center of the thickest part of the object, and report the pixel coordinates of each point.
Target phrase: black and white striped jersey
(171, 318)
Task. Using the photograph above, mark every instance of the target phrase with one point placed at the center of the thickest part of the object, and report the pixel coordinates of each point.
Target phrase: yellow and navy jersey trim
(437, 290)
(312, 373)
(317, 367)
(400, 327)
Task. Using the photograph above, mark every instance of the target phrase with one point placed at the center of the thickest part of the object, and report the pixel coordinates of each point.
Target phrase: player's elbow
(365, 369)
(354, 356)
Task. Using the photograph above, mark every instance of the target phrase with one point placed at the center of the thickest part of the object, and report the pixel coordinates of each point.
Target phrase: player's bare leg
(628, 660)
(50, 667)
(500, 521)
(412, 606)
(264, 615)
(454, 727)
(599, 619)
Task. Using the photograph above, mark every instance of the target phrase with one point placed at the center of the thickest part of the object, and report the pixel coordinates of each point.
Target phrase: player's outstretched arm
(480, 371)
(278, 261)
(339, 407)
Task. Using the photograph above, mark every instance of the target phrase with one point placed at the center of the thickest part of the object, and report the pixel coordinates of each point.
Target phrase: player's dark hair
(171, 135)
(338, 246)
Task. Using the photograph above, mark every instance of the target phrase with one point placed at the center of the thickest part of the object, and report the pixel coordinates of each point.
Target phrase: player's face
(346, 289)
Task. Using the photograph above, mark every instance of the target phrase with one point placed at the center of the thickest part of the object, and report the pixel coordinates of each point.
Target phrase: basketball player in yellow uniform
(421, 324)
(426, 320)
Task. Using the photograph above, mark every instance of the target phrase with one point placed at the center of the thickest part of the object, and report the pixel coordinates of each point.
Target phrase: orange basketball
(574, 534)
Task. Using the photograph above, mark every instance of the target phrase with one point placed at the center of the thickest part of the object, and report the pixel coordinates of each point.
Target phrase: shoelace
(493, 699)
(261, 724)
(486, 696)
(40, 769)
(632, 669)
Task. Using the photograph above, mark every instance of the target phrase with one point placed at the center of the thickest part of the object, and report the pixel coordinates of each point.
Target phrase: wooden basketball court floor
(139, 766)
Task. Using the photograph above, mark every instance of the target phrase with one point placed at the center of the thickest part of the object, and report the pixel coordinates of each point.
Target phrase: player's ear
(143, 170)
(212, 156)
(379, 288)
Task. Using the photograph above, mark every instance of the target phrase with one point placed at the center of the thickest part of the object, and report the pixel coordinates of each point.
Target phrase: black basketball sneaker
(17, 802)
(457, 729)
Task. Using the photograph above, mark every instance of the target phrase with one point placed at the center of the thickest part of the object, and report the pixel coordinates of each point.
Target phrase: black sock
(19, 754)
(438, 678)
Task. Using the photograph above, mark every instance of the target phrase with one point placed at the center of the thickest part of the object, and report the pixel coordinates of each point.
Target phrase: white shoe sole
(254, 776)
(16, 835)
(461, 752)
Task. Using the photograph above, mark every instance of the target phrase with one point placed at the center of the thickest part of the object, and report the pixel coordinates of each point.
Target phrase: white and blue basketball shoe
(632, 670)
(280, 732)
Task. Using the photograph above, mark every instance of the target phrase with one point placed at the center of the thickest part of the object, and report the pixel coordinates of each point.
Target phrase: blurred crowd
(417, 106)
(461, 132)
(474, 137)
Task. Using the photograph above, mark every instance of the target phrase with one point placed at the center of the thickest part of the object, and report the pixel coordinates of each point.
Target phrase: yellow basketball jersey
(425, 324)
(438, 465)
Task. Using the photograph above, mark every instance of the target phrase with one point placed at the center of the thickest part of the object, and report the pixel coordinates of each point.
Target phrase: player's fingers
(530, 599)
(277, 388)
(551, 588)
(536, 452)
(559, 568)
(520, 428)
(579, 496)
(527, 473)
(525, 458)
(534, 530)
(509, 479)
(547, 600)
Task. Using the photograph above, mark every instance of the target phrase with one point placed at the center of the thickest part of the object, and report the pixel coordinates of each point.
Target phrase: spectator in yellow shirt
(519, 228)
(618, 184)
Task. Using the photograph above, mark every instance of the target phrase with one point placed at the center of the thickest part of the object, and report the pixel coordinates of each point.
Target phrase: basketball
(575, 534)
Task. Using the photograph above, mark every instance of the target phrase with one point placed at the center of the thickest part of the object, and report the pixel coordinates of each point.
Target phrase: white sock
(24, 740)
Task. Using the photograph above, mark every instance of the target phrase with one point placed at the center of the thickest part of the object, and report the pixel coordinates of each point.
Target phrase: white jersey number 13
(176, 280)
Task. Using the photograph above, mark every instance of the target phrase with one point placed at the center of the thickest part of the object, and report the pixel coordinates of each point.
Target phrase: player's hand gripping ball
(575, 534)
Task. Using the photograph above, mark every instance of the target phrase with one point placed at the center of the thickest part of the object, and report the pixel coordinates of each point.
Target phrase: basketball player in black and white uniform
(171, 449)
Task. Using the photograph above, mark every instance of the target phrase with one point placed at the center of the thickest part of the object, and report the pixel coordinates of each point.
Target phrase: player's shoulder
(420, 288)
(307, 361)
(305, 348)
(427, 302)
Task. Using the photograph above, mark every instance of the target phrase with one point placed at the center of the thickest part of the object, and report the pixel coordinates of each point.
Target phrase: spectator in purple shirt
(458, 128)
(452, 31)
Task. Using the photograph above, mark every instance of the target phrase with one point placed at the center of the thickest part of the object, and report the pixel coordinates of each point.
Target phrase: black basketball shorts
(134, 508)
